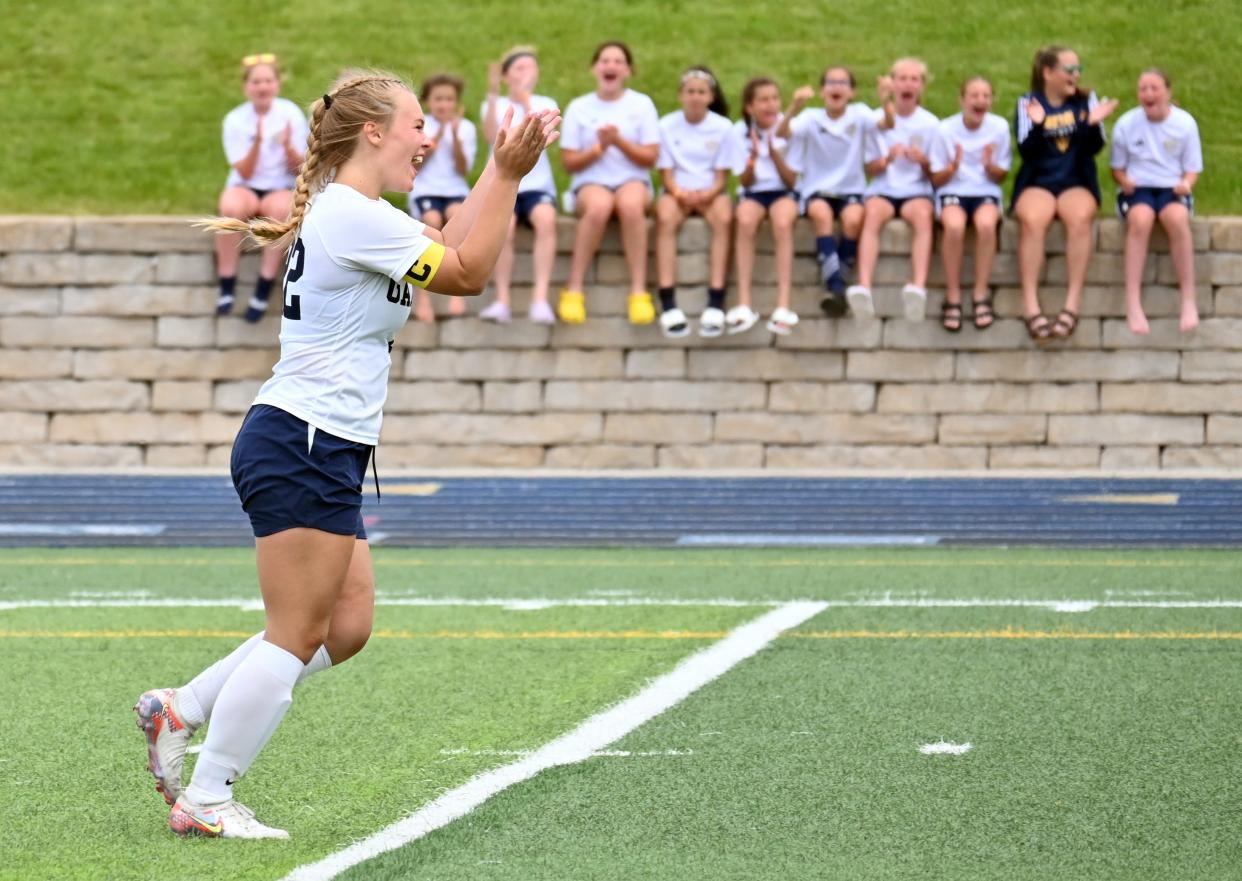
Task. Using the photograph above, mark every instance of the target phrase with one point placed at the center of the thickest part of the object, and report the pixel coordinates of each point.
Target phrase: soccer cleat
(228, 819)
(572, 307)
(641, 309)
(167, 735)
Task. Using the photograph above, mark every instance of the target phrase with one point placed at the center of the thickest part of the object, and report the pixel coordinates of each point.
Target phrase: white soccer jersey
(539, 179)
(828, 153)
(346, 294)
(767, 178)
(971, 178)
(904, 178)
(636, 119)
(1156, 154)
(271, 172)
(438, 174)
(695, 151)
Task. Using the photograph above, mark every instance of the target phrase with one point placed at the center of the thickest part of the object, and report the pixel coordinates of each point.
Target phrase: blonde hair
(916, 62)
(356, 98)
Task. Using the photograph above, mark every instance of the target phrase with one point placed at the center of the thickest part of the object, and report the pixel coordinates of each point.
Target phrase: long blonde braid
(357, 97)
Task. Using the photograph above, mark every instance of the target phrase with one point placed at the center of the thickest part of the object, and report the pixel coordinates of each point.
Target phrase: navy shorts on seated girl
(289, 474)
(1155, 198)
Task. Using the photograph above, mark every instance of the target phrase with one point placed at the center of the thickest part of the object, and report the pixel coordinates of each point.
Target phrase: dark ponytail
(748, 94)
(701, 71)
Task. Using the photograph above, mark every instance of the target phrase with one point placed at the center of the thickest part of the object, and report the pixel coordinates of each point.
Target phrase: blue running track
(106, 510)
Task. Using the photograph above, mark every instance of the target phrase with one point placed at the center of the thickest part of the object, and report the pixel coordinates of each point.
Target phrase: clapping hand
(1035, 111)
(988, 151)
(608, 135)
(518, 149)
(1101, 111)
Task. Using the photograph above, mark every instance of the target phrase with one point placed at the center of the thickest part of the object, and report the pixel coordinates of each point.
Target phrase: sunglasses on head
(261, 58)
(836, 82)
(1072, 68)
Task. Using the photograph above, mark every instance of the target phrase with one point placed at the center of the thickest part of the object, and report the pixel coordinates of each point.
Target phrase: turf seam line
(594, 734)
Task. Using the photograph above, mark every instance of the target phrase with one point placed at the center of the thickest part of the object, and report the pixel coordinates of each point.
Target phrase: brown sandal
(1067, 320)
(985, 315)
(951, 316)
(1039, 328)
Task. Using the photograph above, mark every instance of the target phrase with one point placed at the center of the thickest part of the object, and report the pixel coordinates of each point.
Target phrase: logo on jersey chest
(1061, 127)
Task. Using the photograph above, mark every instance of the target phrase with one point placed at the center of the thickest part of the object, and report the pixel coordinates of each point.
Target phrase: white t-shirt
(271, 172)
(346, 294)
(1156, 154)
(971, 178)
(539, 179)
(767, 178)
(695, 151)
(904, 178)
(636, 119)
(828, 153)
(438, 175)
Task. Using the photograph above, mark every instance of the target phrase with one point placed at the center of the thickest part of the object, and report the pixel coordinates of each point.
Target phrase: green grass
(115, 107)
(1092, 758)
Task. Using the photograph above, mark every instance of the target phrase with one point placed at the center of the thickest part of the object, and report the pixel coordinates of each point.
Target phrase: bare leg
(784, 214)
(595, 207)
(749, 215)
(921, 215)
(1139, 222)
(277, 205)
(456, 305)
(543, 221)
(1077, 208)
(240, 203)
(953, 221)
(669, 218)
(1176, 221)
(1034, 211)
(986, 221)
(633, 199)
(503, 274)
(877, 212)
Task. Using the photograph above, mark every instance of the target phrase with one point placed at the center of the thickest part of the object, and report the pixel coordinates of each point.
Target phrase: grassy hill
(114, 107)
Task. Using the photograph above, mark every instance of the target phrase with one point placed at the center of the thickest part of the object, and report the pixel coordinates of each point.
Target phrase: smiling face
(611, 70)
(765, 106)
(1061, 80)
(976, 101)
(262, 86)
(696, 96)
(1154, 95)
(837, 90)
(399, 148)
(442, 102)
(909, 81)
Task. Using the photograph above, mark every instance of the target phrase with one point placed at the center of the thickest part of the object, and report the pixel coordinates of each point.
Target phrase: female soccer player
(766, 190)
(969, 160)
(263, 142)
(826, 147)
(611, 142)
(1156, 161)
(536, 202)
(897, 159)
(696, 153)
(1060, 129)
(441, 186)
(301, 454)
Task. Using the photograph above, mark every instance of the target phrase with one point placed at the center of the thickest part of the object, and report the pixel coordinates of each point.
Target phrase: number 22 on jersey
(297, 265)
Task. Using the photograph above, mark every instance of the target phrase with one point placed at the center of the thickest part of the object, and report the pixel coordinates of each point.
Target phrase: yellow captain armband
(426, 266)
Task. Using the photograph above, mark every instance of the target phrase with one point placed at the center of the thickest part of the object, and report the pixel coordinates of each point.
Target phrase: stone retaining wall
(110, 356)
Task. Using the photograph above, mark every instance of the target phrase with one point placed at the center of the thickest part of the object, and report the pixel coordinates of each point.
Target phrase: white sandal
(674, 323)
(711, 322)
(741, 319)
(783, 321)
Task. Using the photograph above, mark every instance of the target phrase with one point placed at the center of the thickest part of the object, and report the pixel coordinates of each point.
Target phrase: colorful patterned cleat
(228, 819)
(167, 738)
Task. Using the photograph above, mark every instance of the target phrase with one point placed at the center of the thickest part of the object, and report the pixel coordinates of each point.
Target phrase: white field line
(592, 735)
(943, 748)
(598, 754)
(518, 604)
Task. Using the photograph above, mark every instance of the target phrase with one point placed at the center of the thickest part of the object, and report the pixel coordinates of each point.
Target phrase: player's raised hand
(1035, 111)
(884, 87)
(518, 149)
(1102, 111)
(493, 78)
(803, 94)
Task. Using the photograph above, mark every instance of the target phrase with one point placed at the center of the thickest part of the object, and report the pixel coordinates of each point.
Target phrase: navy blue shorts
(769, 197)
(969, 204)
(1156, 198)
(423, 204)
(286, 479)
(526, 203)
(836, 203)
(898, 204)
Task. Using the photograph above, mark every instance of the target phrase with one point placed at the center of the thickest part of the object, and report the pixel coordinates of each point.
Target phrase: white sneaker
(861, 304)
(229, 819)
(497, 312)
(914, 299)
(741, 319)
(783, 321)
(674, 323)
(711, 322)
(168, 735)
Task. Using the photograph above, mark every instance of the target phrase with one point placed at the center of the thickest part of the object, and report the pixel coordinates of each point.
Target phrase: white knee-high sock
(251, 704)
(197, 699)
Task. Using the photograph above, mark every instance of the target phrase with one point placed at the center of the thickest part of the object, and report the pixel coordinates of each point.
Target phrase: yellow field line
(688, 562)
(1008, 633)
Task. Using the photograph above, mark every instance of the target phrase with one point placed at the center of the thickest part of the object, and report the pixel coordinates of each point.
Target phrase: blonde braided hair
(356, 98)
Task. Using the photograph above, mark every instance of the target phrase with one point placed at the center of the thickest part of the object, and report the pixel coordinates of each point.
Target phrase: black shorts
(768, 198)
(969, 204)
(289, 475)
(1156, 198)
(260, 193)
(423, 204)
(898, 204)
(836, 203)
(526, 203)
